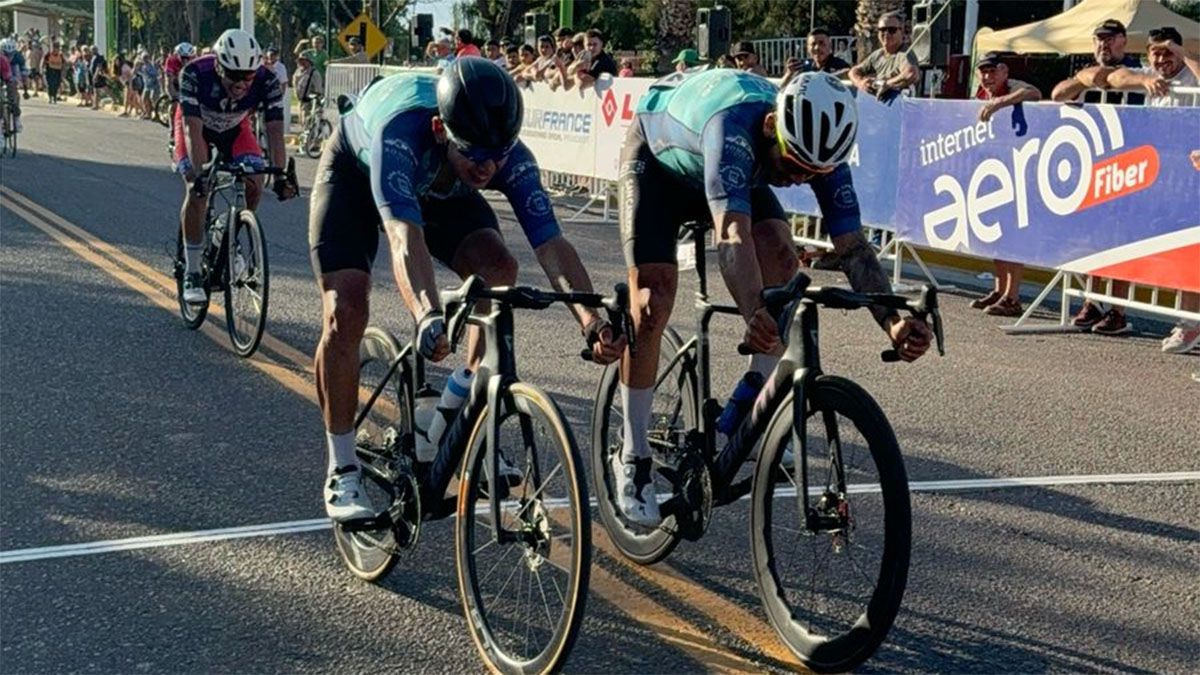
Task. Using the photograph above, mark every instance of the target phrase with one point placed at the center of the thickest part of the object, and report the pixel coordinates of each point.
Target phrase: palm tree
(867, 16)
(676, 28)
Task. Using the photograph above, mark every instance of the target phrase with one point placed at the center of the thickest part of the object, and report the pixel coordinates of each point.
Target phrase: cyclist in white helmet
(14, 74)
(218, 95)
(710, 146)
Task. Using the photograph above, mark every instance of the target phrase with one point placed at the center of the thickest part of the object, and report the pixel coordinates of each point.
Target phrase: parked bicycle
(8, 126)
(522, 549)
(235, 255)
(316, 129)
(828, 487)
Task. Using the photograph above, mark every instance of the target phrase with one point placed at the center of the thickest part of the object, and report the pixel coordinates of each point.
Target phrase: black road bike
(8, 125)
(523, 549)
(830, 534)
(234, 260)
(316, 129)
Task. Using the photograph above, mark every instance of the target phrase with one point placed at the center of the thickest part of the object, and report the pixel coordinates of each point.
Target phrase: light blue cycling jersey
(389, 130)
(706, 129)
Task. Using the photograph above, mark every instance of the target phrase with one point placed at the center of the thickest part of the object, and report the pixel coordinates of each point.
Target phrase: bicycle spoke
(496, 564)
(531, 498)
(545, 602)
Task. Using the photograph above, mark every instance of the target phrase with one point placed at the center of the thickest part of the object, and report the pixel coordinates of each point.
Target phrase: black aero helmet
(479, 104)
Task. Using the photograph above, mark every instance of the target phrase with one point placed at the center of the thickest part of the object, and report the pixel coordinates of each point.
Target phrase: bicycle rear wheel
(193, 315)
(371, 553)
(247, 292)
(832, 591)
(316, 138)
(162, 110)
(524, 597)
(674, 414)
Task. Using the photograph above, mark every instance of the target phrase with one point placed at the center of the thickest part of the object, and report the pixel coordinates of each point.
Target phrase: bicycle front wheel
(832, 583)
(162, 110)
(246, 293)
(316, 138)
(524, 577)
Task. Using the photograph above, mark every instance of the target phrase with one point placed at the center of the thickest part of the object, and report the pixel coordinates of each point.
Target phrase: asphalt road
(116, 422)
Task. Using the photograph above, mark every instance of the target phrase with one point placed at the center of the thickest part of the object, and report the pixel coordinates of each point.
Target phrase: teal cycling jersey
(389, 129)
(706, 129)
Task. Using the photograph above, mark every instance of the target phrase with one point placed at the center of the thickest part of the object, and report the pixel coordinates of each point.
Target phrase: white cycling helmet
(237, 50)
(816, 120)
(185, 50)
(8, 46)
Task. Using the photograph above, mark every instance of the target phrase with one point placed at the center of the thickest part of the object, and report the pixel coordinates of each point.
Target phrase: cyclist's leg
(245, 149)
(343, 234)
(463, 234)
(776, 256)
(191, 214)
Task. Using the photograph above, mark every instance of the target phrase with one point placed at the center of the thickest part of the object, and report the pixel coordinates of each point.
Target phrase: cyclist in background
(16, 69)
(182, 55)
(410, 157)
(218, 93)
(711, 145)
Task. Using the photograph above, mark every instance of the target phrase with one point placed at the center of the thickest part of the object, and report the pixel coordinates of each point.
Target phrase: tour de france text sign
(1082, 188)
(873, 164)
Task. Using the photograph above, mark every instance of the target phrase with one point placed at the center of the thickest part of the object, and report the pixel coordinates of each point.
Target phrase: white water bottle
(424, 412)
(457, 388)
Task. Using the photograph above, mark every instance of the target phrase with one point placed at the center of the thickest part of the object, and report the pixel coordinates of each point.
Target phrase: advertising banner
(874, 163)
(616, 100)
(1095, 189)
(560, 128)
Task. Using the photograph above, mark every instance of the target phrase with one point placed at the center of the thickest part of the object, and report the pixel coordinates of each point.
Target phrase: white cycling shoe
(636, 497)
(345, 500)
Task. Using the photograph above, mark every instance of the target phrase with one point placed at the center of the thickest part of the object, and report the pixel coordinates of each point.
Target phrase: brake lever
(618, 319)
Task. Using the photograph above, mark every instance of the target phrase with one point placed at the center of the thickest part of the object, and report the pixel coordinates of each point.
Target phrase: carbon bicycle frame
(802, 348)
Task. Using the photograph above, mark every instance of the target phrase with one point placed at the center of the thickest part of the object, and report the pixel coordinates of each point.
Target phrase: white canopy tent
(1071, 31)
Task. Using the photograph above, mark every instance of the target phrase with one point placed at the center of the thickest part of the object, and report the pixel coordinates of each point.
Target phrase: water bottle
(740, 402)
(425, 409)
(457, 388)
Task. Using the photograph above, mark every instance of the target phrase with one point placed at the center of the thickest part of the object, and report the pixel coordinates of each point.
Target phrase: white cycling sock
(191, 255)
(635, 406)
(763, 364)
(341, 450)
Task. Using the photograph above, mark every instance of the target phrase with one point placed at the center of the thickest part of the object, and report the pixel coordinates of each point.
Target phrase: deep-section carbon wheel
(832, 586)
(524, 590)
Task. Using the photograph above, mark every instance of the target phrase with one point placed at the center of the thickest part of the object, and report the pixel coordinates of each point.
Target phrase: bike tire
(162, 110)
(536, 510)
(864, 632)
(192, 315)
(370, 555)
(650, 547)
(315, 142)
(248, 286)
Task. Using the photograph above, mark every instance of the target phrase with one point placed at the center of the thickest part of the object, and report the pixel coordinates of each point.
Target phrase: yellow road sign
(369, 36)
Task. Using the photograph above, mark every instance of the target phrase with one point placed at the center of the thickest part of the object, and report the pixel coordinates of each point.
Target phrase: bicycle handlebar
(458, 301)
(779, 299)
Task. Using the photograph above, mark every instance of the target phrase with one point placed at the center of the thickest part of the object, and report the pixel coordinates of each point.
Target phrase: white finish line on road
(296, 526)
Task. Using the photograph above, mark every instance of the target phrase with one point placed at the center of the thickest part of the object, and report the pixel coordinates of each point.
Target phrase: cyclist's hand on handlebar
(911, 337)
(432, 342)
(599, 336)
(284, 189)
(762, 332)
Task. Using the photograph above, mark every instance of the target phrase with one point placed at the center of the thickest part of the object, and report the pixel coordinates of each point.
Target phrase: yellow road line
(159, 289)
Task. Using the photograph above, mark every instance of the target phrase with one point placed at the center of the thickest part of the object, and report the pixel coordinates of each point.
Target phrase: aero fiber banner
(873, 163)
(1096, 189)
(618, 98)
(560, 128)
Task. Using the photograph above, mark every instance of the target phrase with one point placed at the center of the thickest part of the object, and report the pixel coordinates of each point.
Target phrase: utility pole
(566, 13)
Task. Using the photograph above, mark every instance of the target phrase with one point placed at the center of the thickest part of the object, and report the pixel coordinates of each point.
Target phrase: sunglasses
(480, 155)
(238, 75)
(798, 166)
(888, 29)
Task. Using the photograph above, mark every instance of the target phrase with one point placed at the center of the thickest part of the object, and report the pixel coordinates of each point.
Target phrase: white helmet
(8, 46)
(237, 50)
(817, 120)
(185, 50)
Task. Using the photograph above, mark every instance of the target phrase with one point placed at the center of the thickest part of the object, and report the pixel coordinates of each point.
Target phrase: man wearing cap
(357, 55)
(272, 61)
(888, 68)
(687, 60)
(999, 91)
(1109, 42)
(746, 58)
(1170, 66)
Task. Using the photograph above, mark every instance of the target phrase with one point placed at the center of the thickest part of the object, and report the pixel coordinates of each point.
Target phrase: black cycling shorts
(344, 225)
(655, 203)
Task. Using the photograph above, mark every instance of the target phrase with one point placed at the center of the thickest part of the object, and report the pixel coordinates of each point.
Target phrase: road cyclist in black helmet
(409, 156)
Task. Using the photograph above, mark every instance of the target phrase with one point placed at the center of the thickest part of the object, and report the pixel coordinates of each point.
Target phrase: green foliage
(1188, 8)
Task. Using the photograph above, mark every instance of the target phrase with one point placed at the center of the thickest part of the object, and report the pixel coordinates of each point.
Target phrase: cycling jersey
(16, 64)
(705, 128)
(389, 132)
(203, 95)
(5, 69)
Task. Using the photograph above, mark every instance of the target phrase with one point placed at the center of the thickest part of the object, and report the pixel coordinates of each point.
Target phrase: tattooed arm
(910, 336)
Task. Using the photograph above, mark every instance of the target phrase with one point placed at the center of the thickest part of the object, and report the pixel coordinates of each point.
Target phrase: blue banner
(1049, 184)
(873, 163)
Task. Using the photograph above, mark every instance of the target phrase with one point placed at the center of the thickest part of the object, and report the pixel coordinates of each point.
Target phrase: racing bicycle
(316, 129)
(7, 125)
(235, 255)
(522, 548)
(830, 523)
